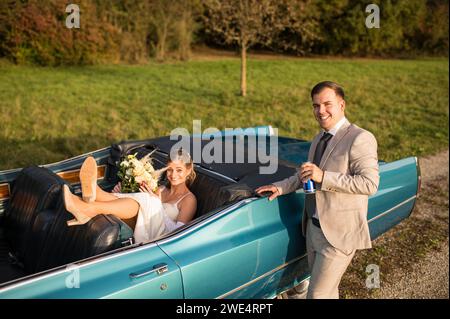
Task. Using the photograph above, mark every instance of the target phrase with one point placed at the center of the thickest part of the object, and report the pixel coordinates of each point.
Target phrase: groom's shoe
(88, 179)
(71, 207)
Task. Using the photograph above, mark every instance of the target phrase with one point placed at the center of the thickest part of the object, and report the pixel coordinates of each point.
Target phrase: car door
(253, 249)
(396, 195)
(140, 272)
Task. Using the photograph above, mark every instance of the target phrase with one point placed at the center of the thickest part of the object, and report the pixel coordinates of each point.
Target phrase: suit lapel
(334, 141)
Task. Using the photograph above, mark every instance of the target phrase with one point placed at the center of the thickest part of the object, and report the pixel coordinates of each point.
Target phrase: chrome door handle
(159, 269)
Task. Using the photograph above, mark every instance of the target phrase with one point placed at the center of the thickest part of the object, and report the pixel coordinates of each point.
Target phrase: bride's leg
(123, 208)
(103, 196)
(88, 179)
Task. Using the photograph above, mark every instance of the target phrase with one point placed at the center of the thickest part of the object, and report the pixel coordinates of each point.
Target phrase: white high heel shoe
(80, 218)
(88, 179)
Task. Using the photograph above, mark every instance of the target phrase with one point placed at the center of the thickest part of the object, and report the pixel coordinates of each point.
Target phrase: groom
(343, 163)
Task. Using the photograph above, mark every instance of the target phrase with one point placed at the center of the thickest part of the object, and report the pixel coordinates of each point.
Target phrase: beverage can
(309, 187)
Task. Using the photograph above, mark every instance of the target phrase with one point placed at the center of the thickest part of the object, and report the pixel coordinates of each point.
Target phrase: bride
(156, 213)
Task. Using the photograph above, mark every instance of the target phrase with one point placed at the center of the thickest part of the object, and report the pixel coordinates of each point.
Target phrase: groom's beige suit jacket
(350, 165)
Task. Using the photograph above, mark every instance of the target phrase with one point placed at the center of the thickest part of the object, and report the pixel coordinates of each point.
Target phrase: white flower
(149, 167)
(139, 179)
(138, 170)
(147, 177)
(153, 184)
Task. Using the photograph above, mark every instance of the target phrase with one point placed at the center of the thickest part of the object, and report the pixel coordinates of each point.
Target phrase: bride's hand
(146, 189)
(117, 188)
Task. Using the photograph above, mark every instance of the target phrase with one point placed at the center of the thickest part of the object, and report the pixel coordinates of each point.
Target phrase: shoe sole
(88, 179)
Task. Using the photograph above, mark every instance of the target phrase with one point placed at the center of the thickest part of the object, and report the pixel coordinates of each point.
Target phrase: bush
(35, 32)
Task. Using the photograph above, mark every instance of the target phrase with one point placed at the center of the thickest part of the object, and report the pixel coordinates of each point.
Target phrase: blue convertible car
(240, 245)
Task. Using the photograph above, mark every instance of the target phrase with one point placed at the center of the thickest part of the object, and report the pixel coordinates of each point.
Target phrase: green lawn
(49, 114)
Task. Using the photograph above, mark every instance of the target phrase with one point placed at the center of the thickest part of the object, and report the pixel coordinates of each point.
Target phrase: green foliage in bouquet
(133, 172)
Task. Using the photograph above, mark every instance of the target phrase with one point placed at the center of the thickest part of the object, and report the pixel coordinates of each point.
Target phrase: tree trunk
(244, 69)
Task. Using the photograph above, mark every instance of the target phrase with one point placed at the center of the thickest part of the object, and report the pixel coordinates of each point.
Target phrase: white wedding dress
(154, 217)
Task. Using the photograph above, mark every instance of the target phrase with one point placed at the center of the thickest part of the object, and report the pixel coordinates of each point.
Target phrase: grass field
(49, 114)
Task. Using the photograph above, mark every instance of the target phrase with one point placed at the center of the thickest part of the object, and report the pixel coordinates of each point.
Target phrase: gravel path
(430, 277)
(434, 166)
(428, 280)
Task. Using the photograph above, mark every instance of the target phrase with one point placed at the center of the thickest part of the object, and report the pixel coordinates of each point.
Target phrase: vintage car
(240, 244)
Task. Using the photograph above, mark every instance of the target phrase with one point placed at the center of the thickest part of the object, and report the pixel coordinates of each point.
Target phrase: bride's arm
(188, 206)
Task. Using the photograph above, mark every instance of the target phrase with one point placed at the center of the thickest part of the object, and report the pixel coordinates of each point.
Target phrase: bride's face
(177, 172)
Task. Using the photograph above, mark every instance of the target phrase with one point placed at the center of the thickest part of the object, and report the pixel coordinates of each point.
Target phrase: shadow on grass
(18, 153)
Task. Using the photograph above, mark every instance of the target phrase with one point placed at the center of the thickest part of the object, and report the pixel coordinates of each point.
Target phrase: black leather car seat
(35, 189)
(212, 193)
(36, 236)
(62, 244)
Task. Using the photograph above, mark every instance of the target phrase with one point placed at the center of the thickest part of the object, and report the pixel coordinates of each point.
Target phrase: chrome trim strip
(77, 157)
(391, 209)
(262, 276)
(60, 162)
(79, 264)
(205, 221)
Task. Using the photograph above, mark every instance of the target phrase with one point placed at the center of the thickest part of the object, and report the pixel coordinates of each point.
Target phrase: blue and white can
(309, 187)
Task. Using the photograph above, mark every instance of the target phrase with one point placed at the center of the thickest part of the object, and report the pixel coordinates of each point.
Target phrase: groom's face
(328, 108)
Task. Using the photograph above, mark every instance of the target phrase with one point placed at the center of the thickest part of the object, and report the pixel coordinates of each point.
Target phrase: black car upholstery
(34, 189)
(212, 191)
(206, 189)
(36, 237)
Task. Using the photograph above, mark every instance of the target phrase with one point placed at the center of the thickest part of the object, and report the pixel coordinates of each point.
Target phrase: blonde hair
(183, 156)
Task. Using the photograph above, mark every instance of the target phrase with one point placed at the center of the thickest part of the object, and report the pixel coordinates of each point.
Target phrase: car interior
(34, 236)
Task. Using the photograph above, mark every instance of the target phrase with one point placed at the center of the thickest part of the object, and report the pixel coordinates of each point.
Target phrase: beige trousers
(326, 264)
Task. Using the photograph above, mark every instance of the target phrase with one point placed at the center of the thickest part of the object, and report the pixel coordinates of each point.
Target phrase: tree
(249, 22)
(173, 25)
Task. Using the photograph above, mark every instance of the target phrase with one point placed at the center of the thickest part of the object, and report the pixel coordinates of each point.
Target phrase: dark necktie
(310, 199)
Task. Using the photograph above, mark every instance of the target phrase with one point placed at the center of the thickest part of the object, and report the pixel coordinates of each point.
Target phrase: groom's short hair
(330, 85)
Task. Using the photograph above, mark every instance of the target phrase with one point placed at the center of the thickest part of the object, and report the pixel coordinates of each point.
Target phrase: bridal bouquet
(133, 172)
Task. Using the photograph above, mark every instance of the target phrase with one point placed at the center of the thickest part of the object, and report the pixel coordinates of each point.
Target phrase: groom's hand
(311, 171)
(269, 188)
